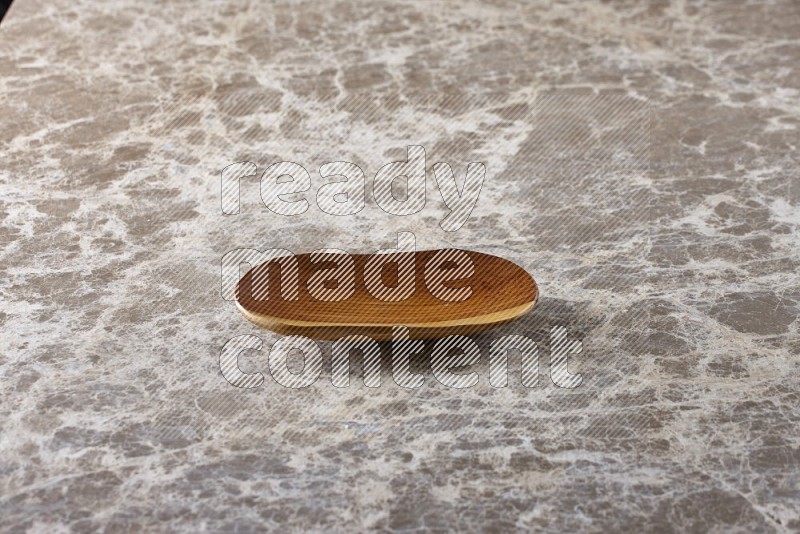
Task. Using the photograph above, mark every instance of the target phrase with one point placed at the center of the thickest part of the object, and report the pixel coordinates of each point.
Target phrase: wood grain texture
(501, 292)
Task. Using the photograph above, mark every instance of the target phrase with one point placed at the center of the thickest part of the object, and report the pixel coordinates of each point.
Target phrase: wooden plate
(499, 291)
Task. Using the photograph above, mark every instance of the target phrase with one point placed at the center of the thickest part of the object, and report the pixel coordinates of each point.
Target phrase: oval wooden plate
(500, 292)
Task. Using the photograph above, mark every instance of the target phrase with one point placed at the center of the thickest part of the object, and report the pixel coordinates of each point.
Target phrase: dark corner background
(4, 5)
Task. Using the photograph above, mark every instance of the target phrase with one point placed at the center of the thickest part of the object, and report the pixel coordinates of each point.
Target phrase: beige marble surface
(642, 162)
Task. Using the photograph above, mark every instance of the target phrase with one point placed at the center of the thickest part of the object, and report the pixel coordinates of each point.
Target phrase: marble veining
(641, 162)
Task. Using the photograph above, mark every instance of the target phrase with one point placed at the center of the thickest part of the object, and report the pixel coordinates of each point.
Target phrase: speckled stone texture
(642, 163)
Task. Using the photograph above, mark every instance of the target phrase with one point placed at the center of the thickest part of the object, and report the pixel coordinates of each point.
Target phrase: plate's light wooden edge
(270, 321)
